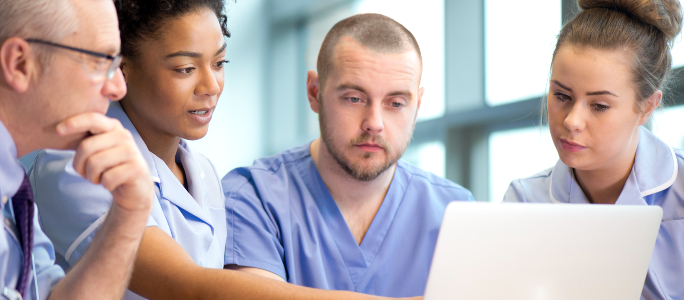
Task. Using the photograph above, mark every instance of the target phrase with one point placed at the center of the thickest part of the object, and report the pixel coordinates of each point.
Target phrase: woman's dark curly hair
(142, 19)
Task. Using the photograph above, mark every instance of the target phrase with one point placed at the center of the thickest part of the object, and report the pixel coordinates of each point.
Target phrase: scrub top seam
(277, 164)
(250, 182)
(673, 220)
(660, 286)
(430, 181)
(232, 223)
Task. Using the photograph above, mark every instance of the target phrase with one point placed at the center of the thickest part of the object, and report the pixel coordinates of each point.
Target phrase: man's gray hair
(50, 20)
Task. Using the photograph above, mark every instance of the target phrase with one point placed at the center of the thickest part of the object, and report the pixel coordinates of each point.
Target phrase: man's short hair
(375, 31)
(51, 20)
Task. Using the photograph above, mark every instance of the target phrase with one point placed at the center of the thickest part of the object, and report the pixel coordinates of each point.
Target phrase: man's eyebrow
(351, 87)
(221, 50)
(401, 93)
(561, 85)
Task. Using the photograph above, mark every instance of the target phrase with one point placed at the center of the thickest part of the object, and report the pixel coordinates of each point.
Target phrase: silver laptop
(542, 251)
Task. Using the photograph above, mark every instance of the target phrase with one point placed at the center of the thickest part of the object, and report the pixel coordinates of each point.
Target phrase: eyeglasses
(111, 70)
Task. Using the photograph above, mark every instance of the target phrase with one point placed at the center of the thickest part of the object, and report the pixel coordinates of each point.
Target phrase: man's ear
(420, 97)
(312, 89)
(650, 105)
(18, 63)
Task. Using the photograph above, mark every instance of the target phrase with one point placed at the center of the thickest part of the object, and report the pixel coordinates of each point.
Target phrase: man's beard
(358, 170)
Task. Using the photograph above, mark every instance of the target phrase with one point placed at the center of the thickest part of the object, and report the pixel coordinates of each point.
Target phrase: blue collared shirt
(11, 257)
(654, 180)
(282, 218)
(72, 208)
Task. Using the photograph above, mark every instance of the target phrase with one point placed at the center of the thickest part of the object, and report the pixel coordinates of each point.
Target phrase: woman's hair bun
(666, 15)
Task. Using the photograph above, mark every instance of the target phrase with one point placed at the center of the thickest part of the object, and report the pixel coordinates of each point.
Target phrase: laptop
(542, 251)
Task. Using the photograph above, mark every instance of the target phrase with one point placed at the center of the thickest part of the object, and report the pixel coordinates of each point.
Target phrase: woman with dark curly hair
(173, 58)
(173, 66)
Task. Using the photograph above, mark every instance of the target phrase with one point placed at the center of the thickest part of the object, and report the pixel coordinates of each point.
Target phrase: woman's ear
(124, 68)
(650, 106)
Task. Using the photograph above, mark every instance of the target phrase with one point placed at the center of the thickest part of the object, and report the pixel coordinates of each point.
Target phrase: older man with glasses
(59, 71)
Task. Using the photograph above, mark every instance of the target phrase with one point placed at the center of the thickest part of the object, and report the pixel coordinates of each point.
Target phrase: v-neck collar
(357, 258)
(194, 174)
(655, 169)
(170, 188)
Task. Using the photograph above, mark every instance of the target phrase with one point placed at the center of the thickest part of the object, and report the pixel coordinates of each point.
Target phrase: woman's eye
(221, 63)
(562, 97)
(185, 70)
(601, 107)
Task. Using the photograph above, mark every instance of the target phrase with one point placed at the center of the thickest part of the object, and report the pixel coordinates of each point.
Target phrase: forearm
(163, 270)
(104, 270)
(229, 284)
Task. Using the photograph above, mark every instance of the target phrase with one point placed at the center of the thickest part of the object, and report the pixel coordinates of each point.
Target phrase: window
(427, 156)
(667, 125)
(678, 50)
(519, 41)
(518, 153)
(426, 23)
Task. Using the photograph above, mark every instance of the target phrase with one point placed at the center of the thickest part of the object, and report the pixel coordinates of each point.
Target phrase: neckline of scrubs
(175, 193)
(655, 169)
(357, 258)
(191, 200)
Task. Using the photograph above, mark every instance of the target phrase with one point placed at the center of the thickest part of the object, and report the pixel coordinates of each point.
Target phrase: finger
(101, 142)
(89, 122)
(131, 186)
(98, 163)
(119, 175)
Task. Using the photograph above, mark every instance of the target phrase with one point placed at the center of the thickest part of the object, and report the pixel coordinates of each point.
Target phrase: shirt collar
(193, 173)
(654, 170)
(11, 171)
(117, 112)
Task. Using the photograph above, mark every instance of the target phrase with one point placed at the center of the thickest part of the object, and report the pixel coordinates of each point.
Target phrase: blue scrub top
(11, 257)
(72, 208)
(654, 180)
(282, 218)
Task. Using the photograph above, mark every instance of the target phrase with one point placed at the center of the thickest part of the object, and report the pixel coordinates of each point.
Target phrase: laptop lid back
(542, 251)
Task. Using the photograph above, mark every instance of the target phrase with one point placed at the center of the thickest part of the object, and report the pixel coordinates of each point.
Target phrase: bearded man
(344, 212)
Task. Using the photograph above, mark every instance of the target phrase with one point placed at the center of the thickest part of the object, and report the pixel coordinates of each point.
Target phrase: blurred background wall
(486, 69)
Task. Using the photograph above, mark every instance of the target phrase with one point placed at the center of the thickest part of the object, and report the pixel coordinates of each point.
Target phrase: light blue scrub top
(654, 180)
(11, 257)
(282, 218)
(72, 208)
